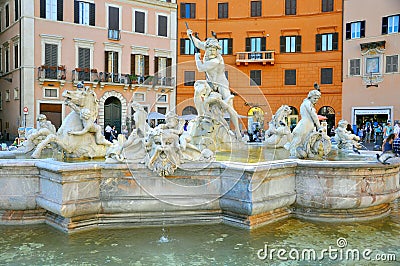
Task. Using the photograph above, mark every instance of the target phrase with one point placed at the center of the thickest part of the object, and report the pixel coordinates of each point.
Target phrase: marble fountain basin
(76, 196)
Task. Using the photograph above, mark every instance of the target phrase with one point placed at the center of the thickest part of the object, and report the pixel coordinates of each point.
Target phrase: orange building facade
(274, 51)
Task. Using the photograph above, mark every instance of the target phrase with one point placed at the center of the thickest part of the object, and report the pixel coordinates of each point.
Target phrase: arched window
(189, 110)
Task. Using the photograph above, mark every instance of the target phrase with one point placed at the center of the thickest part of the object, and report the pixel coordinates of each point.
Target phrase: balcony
(114, 35)
(51, 73)
(85, 74)
(163, 81)
(263, 57)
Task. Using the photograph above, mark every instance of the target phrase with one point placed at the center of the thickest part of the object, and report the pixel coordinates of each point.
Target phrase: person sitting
(387, 150)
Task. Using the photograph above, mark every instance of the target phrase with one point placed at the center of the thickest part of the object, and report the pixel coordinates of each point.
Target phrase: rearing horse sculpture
(79, 136)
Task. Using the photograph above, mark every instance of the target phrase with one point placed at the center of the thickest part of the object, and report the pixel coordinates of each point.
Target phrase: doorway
(53, 112)
(112, 113)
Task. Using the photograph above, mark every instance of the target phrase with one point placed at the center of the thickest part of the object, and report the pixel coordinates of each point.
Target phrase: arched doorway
(112, 113)
(189, 110)
(256, 119)
(293, 118)
(329, 112)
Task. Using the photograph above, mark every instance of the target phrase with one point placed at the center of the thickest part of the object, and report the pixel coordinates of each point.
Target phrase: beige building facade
(371, 51)
(124, 50)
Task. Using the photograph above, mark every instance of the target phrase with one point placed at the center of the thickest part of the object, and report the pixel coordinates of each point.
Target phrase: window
(354, 67)
(255, 44)
(326, 42)
(187, 46)
(290, 7)
(355, 30)
(113, 23)
(372, 65)
(84, 13)
(162, 110)
(7, 59)
(162, 98)
(50, 93)
(84, 63)
(111, 62)
(290, 44)
(16, 56)
(189, 78)
(392, 63)
(16, 93)
(327, 5)
(51, 9)
(255, 8)
(7, 98)
(255, 77)
(188, 10)
(162, 26)
(162, 69)
(16, 10)
(226, 45)
(1, 59)
(390, 24)
(140, 21)
(223, 10)
(50, 54)
(7, 11)
(326, 75)
(140, 66)
(290, 77)
(138, 97)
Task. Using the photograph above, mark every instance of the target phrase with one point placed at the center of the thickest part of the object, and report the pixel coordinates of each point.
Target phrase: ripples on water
(194, 245)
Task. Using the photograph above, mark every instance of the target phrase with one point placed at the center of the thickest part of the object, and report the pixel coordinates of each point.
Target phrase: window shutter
(192, 10)
(362, 30)
(51, 54)
(348, 31)
(248, 45)
(220, 10)
(298, 43)
(43, 8)
(335, 41)
(318, 42)
(183, 46)
(162, 26)
(84, 58)
(139, 21)
(133, 65)
(146, 65)
(183, 9)
(113, 18)
(169, 67)
(263, 43)
(283, 44)
(230, 46)
(106, 61)
(92, 14)
(115, 62)
(60, 10)
(155, 65)
(384, 25)
(76, 11)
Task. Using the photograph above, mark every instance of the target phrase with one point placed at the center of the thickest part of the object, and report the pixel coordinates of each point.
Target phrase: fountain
(169, 176)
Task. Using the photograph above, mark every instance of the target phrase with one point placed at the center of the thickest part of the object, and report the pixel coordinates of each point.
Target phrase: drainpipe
(206, 19)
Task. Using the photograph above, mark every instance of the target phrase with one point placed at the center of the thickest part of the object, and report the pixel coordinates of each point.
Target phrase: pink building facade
(124, 50)
(371, 51)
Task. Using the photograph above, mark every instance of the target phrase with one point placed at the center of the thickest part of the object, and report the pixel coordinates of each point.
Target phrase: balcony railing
(52, 72)
(85, 74)
(163, 81)
(114, 34)
(255, 57)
